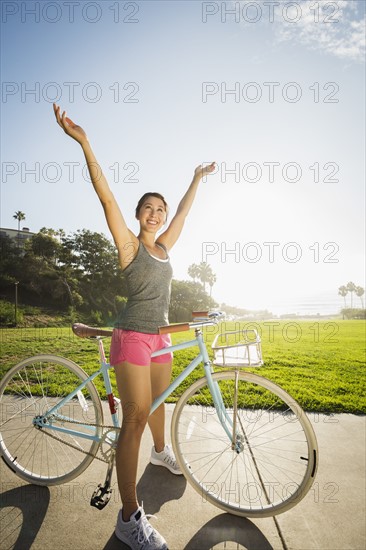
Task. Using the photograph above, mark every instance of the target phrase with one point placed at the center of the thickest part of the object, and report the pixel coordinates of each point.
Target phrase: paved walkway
(331, 517)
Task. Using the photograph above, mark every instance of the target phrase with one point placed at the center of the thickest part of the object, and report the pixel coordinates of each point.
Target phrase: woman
(145, 262)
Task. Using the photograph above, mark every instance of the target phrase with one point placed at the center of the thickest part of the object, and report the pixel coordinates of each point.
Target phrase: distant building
(18, 236)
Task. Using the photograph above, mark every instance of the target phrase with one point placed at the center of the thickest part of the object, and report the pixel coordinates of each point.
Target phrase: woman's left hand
(202, 171)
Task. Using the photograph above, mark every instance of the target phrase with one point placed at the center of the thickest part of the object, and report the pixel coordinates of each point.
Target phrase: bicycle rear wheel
(275, 460)
(38, 454)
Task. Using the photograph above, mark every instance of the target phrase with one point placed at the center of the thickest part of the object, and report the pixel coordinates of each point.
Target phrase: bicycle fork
(235, 411)
(229, 425)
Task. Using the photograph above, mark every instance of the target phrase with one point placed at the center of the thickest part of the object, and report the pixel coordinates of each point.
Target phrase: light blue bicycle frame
(45, 421)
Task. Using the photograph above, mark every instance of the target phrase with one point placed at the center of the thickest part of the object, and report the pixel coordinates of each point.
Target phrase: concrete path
(331, 517)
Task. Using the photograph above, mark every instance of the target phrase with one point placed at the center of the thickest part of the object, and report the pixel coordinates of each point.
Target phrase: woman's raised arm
(122, 236)
(171, 235)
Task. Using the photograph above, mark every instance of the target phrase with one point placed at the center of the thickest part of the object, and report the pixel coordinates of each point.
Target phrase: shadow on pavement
(157, 486)
(217, 533)
(227, 528)
(115, 544)
(22, 511)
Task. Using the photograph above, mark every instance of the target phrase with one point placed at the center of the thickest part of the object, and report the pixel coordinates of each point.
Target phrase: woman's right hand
(69, 127)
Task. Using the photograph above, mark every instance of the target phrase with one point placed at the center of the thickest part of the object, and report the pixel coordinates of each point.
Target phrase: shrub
(96, 318)
(7, 314)
(353, 313)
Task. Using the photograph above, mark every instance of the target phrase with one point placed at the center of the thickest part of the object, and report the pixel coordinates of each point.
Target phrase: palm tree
(342, 291)
(203, 272)
(360, 292)
(351, 287)
(20, 216)
(193, 271)
(212, 280)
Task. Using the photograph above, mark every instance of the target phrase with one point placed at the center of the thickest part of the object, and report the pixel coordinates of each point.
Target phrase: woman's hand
(202, 171)
(69, 127)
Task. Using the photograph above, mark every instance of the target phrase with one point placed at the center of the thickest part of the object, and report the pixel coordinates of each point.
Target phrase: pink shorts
(137, 347)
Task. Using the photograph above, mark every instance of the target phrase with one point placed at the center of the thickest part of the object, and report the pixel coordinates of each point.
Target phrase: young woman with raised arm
(144, 259)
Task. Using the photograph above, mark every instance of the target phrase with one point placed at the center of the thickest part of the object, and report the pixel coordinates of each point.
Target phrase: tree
(342, 291)
(212, 281)
(351, 287)
(10, 266)
(193, 271)
(188, 296)
(56, 233)
(203, 272)
(360, 292)
(45, 245)
(101, 281)
(353, 313)
(20, 216)
(40, 280)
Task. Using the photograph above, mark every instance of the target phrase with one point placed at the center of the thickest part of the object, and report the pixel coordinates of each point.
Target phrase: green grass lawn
(320, 363)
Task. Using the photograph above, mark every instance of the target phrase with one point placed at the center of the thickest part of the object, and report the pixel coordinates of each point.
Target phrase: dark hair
(151, 194)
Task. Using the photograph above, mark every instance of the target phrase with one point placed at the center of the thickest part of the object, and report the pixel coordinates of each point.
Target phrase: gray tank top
(148, 281)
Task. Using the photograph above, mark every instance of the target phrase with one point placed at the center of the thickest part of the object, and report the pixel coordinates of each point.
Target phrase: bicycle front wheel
(273, 461)
(47, 455)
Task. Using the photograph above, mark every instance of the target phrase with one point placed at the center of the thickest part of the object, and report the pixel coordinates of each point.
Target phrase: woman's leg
(160, 379)
(134, 387)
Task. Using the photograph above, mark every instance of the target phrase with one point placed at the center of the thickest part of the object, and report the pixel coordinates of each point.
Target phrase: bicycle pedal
(100, 497)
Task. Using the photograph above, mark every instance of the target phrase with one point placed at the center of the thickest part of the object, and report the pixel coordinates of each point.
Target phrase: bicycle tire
(277, 463)
(28, 390)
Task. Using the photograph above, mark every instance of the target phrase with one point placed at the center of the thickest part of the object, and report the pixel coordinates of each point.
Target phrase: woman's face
(152, 214)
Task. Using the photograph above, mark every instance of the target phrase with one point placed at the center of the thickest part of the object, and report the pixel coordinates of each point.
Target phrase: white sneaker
(167, 459)
(137, 533)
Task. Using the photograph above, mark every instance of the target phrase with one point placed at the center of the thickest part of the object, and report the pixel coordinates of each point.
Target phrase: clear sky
(272, 91)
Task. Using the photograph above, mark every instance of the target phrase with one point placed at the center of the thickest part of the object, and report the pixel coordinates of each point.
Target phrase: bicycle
(240, 440)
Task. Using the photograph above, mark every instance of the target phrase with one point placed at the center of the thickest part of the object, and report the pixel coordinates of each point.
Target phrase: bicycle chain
(106, 429)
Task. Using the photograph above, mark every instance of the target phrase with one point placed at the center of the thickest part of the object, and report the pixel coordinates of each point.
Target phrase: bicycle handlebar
(83, 331)
(199, 318)
(178, 327)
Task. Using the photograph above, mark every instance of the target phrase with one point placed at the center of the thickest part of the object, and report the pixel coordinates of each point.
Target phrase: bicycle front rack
(239, 348)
